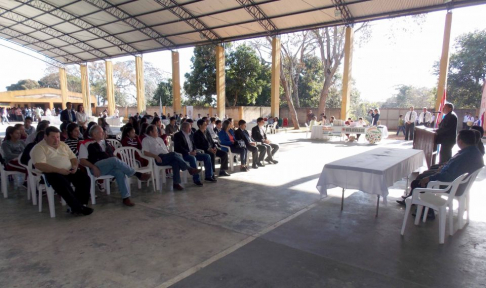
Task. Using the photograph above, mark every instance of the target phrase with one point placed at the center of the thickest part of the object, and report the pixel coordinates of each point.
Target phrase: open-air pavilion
(265, 228)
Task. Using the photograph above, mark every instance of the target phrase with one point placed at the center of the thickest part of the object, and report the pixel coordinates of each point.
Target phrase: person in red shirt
(130, 139)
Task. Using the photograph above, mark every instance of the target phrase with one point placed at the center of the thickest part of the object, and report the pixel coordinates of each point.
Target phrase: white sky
(398, 52)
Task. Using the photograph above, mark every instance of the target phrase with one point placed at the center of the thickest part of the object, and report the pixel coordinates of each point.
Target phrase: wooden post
(275, 90)
(444, 60)
(176, 83)
(348, 64)
(220, 82)
(141, 107)
(110, 88)
(64, 88)
(85, 90)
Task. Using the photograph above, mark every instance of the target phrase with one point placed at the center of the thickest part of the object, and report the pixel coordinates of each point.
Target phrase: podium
(426, 139)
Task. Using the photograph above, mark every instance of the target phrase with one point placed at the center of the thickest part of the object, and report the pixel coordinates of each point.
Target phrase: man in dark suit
(251, 145)
(68, 114)
(446, 134)
(258, 133)
(204, 142)
(184, 144)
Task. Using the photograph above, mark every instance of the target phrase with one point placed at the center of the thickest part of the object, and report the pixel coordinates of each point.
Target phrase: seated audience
(86, 133)
(60, 166)
(82, 118)
(24, 159)
(480, 144)
(73, 132)
(184, 144)
(12, 147)
(251, 145)
(143, 128)
(63, 129)
(106, 127)
(153, 146)
(467, 160)
(258, 133)
(97, 155)
(204, 142)
(190, 121)
(29, 129)
(172, 127)
(23, 135)
(130, 139)
(218, 126)
(211, 127)
(41, 126)
(227, 137)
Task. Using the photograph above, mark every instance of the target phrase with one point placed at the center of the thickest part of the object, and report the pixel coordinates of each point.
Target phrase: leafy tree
(52, 81)
(25, 84)
(164, 93)
(408, 95)
(310, 82)
(467, 70)
(200, 84)
(243, 81)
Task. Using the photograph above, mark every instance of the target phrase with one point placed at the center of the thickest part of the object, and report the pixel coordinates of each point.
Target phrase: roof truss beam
(345, 13)
(190, 19)
(132, 21)
(252, 8)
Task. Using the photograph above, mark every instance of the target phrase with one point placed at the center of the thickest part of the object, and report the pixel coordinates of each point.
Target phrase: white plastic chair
(106, 180)
(231, 157)
(307, 129)
(4, 177)
(50, 196)
(462, 200)
(437, 199)
(128, 155)
(32, 179)
(115, 143)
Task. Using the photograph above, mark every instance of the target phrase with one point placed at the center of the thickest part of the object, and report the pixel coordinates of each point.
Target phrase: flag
(160, 102)
(439, 117)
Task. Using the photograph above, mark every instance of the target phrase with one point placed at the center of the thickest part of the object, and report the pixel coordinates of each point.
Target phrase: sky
(400, 51)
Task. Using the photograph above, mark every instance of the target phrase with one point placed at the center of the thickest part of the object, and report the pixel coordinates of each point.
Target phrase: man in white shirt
(153, 146)
(60, 167)
(464, 121)
(425, 117)
(410, 119)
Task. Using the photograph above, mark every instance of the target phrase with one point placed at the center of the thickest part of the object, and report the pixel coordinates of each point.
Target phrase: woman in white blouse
(81, 118)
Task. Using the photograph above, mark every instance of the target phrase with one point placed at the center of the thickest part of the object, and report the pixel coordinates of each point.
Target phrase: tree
(467, 70)
(408, 95)
(200, 84)
(25, 84)
(310, 80)
(243, 78)
(52, 81)
(164, 93)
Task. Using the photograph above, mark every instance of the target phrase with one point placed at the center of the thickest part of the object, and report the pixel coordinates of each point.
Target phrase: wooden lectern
(426, 139)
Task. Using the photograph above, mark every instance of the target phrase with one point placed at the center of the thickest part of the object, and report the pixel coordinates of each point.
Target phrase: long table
(371, 172)
(324, 132)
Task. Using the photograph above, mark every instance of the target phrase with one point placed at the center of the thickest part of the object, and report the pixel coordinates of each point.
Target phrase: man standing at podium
(410, 119)
(446, 134)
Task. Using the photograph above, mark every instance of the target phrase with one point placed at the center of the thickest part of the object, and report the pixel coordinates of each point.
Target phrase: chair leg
(467, 206)
(451, 223)
(40, 200)
(4, 184)
(108, 186)
(33, 187)
(405, 218)
(50, 199)
(442, 222)
(153, 180)
(92, 192)
(418, 214)
(426, 212)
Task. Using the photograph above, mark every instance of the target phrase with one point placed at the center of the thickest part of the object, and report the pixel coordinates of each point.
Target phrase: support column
(64, 89)
(348, 65)
(141, 106)
(220, 82)
(275, 91)
(176, 84)
(211, 114)
(241, 113)
(444, 60)
(85, 89)
(110, 88)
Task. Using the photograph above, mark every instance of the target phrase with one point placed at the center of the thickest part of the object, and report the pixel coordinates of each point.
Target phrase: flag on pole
(439, 117)
(160, 102)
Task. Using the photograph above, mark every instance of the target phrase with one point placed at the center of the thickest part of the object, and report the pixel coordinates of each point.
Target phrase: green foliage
(408, 95)
(310, 83)
(467, 70)
(52, 81)
(200, 84)
(164, 93)
(25, 84)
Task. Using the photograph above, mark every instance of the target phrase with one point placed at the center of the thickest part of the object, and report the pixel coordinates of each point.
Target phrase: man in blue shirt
(467, 160)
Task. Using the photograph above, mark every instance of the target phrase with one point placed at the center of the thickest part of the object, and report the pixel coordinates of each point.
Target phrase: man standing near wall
(410, 119)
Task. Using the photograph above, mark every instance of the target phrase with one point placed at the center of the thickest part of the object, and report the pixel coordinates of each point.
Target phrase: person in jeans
(153, 146)
(97, 155)
(401, 125)
(60, 167)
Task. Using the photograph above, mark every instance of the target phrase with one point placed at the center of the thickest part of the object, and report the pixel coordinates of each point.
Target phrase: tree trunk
(293, 113)
(324, 93)
(295, 92)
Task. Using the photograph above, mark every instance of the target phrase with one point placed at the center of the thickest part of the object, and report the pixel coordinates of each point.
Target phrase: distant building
(42, 97)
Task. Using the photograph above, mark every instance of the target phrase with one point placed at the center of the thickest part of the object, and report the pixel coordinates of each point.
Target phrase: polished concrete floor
(264, 228)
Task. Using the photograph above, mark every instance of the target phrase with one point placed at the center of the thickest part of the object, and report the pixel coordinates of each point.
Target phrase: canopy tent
(79, 31)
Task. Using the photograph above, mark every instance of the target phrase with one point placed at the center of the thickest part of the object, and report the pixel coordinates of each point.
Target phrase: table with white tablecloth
(324, 132)
(372, 171)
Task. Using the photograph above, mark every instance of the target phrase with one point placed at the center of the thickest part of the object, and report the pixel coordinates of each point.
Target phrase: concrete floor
(265, 228)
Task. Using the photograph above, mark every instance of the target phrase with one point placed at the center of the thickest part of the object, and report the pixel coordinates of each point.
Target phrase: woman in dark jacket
(227, 138)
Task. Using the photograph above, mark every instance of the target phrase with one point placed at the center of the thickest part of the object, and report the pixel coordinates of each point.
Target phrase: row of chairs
(441, 199)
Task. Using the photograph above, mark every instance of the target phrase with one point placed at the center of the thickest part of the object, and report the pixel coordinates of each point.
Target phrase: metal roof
(78, 31)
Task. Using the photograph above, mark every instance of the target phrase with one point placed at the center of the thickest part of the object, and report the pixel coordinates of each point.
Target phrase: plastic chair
(4, 176)
(437, 199)
(231, 157)
(128, 155)
(32, 179)
(307, 130)
(115, 143)
(93, 179)
(50, 196)
(463, 200)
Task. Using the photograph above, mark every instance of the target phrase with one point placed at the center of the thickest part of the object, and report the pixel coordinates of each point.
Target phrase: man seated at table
(60, 167)
(251, 145)
(153, 146)
(184, 144)
(97, 155)
(258, 133)
(467, 160)
(204, 142)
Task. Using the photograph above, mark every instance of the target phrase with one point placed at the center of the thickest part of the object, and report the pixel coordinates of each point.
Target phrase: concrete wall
(302, 114)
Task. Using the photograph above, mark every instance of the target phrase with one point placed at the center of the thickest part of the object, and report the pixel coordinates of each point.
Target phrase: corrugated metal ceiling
(75, 31)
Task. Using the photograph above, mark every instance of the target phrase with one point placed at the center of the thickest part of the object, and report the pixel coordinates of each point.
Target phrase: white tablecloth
(113, 121)
(318, 133)
(371, 172)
